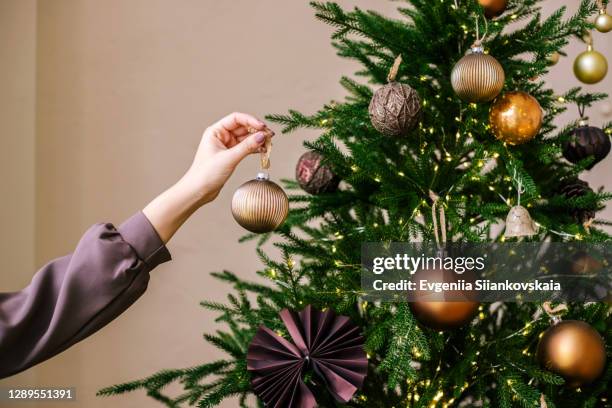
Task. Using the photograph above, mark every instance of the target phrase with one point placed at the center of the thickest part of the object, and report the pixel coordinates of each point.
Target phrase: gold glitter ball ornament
(260, 205)
(603, 22)
(574, 350)
(590, 66)
(515, 117)
(519, 223)
(477, 77)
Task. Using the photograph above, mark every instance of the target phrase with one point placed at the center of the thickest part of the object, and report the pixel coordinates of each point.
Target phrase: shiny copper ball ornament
(493, 8)
(477, 77)
(432, 310)
(574, 350)
(515, 117)
(394, 109)
(590, 66)
(260, 205)
(603, 22)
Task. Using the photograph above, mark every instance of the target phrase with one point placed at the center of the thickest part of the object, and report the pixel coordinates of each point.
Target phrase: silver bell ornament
(519, 223)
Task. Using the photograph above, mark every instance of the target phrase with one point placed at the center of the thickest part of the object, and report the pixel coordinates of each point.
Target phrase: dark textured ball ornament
(574, 350)
(260, 205)
(433, 310)
(314, 176)
(477, 77)
(573, 188)
(493, 8)
(587, 141)
(394, 109)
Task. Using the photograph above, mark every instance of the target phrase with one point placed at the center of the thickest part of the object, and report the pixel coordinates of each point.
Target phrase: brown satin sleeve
(72, 297)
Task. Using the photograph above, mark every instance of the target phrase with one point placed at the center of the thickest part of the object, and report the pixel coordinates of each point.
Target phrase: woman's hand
(222, 147)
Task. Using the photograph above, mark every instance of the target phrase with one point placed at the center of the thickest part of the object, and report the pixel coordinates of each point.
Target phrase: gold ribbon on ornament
(435, 205)
(266, 149)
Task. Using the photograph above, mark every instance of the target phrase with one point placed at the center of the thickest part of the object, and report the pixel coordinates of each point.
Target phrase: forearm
(168, 211)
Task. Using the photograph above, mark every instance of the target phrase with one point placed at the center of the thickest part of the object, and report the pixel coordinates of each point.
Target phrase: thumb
(248, 146)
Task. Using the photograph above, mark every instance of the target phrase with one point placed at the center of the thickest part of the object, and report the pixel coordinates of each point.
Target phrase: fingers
(250, 144)
(237, 120)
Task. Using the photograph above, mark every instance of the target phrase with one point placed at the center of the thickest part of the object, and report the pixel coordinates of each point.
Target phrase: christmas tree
(412, 135)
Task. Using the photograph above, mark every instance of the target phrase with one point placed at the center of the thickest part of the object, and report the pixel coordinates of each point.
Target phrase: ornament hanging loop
(266, 149)
(394, 69)
(554, 312)
(478, 41)
(435, 204)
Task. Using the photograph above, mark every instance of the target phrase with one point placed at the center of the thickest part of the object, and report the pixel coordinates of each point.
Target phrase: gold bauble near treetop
(574, 350)
(477, 77)
(260, 205)
(590, 66)
(603, 21)
(515, 117)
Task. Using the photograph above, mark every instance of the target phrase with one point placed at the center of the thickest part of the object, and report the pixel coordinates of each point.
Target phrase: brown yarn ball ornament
(432, 310)
(260, 205)
(493, 8)
(515, 117)
(314, 176)
(477, 77)
(574, 350)
(395, 108)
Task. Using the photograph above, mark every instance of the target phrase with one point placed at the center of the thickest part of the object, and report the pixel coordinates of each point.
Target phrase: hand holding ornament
(222, 147)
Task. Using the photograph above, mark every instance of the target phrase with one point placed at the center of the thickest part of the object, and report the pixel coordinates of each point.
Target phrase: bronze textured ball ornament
(493, 8)
(603, 22)
(515, 117)
(477, 77)
(260, 205)
(432, 309)
(590, 66)
(394, 109)
(574, 350)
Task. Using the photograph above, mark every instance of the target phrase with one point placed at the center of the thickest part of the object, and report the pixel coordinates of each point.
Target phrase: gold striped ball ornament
(515, 117)
(260, 205)
(477, 77)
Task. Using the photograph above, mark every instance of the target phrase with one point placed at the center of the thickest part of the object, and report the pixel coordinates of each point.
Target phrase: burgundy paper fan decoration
(329, 344)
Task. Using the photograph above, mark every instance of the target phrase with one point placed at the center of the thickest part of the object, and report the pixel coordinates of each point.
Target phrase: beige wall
(124, 89)
(17, 149)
